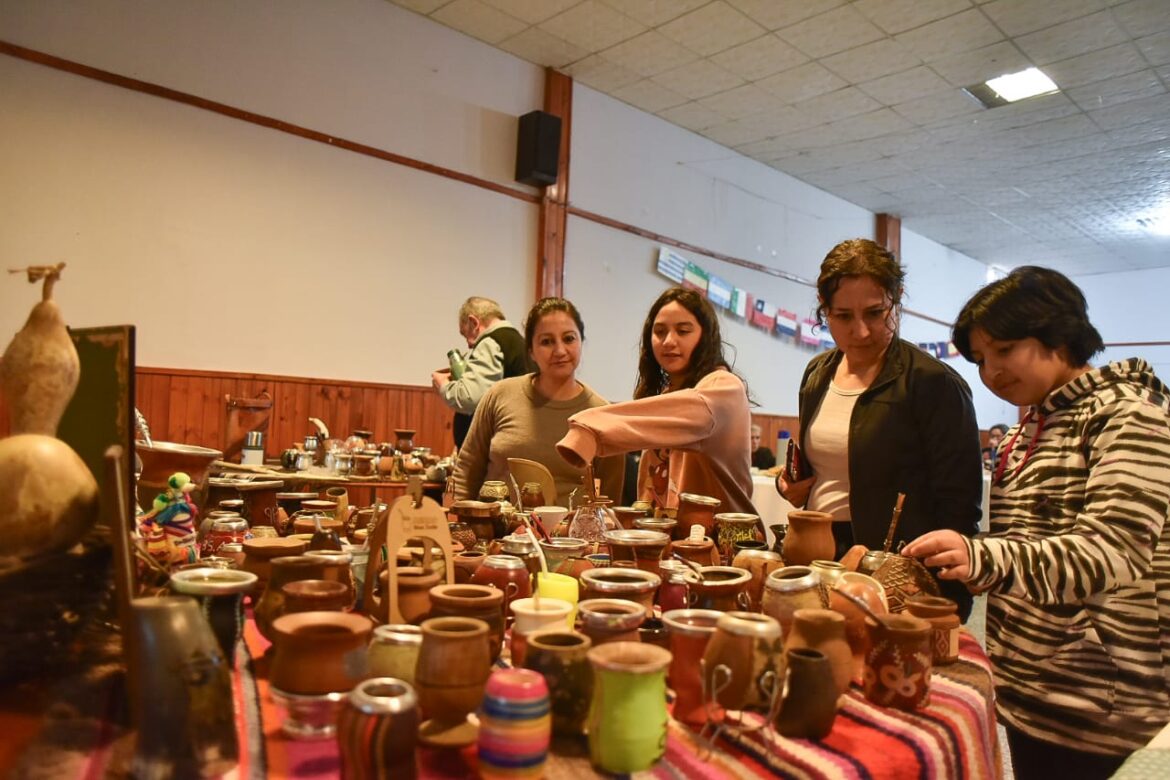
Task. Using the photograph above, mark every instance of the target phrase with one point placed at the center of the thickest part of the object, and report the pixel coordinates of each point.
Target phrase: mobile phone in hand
(794, 465)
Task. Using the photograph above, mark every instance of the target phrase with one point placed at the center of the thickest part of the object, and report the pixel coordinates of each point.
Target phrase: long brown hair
(708, 354)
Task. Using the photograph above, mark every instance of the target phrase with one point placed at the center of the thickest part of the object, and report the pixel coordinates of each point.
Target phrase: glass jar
(531, 496)
(591, 520)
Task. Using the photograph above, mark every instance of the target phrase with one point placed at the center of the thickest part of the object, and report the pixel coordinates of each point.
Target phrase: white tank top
(827, 450)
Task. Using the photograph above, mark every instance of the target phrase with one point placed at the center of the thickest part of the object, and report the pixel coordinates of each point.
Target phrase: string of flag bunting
(781, 323)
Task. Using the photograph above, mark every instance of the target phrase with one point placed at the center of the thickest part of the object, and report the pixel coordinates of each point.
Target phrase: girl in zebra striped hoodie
(1077, 562)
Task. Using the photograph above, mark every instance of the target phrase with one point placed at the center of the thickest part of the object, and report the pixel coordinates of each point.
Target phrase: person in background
(496, 351)
(879, 417)
(762, 457)
(522, 417)
(995, 435)
(1077, 563)
(690, 415)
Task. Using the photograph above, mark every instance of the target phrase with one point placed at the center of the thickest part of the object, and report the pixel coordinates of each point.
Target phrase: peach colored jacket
(701, 435)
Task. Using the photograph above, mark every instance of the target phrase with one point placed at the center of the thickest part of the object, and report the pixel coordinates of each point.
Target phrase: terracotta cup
(561, 657)
(724, 588)
(898, 662)
(809, 538)
(743, 665)
(453, 667)
(810, 702)
(633, 585)
(758, 563)
(610, 620)
(788, 589)
(823, 630)
(319, 652)
(314, 596)
(690, 630)
(473, 601)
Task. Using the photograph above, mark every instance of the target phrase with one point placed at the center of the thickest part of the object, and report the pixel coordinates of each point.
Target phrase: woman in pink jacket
(690, 415)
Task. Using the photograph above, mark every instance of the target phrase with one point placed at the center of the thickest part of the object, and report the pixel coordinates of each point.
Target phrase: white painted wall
(1131, 306)
(183, 222)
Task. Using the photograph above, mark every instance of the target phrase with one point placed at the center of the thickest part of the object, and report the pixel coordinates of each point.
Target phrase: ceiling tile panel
(1019, 17)
(831, 32)
(871, 60)
(775, 14)
(1155, 48)
(975, 67)
(838, 105)
(762, 57)
(936, 107)
(531, 11)
(1122, 89)
(650, 53)
(712, 28)
(698, 79)
(895, 16)
(649, 96)
(802, 82)
(884, 121)
(955, 34)
(601, 74)
(653, 12)
(1096, 66)
(1080, 36)
(479, 20)
(593, 25)
(541, 48)
(741, 102)
(904, 86)
(735, 133)
(1135, 112)
(692, 116)
(1142, 17)
(421, 6)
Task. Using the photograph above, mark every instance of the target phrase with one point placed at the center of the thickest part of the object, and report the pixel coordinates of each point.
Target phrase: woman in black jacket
(879, 417)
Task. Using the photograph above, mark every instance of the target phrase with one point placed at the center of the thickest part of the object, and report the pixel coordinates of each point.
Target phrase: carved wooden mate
(411, 517)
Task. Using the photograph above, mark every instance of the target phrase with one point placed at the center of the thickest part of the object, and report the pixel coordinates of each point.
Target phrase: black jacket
(913, 431)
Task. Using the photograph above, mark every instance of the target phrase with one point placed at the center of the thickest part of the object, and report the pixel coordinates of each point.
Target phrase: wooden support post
(550, 261)
(888, 233)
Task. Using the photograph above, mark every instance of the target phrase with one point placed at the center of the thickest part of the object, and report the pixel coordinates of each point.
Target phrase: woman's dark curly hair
(708, 354)
(1031, 302)
(860, 257)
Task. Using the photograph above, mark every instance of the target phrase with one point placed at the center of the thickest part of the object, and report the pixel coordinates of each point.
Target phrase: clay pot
(642, 548)
(453, 667)
(723, 588)
(220, 593)
(314, 596)
(628, 718)
(338, 568)
(393, 651)
(473, 601)
(898, 662)
(561, 657)
(319, 652)
(626, 515)
(732, 527)
(703, 552)
(404, 441)
(414, 585)
(615, 583)
(743, 665)
(515, 725)
(694, 509)
(828, 572)
(690, 630)
(259, 553)
(610, 620)
(507, 574)
(666, 525)
(558, 550)
(868, 590)
(810, 703)
(789, 589)
(904, 577)
(810, 537)
(466, 564)
(531, 616)
(180, 692)
(758, 563)
(378, 729)
(852, 557)
(824, 630)
(271, 604)
(944, 621)
(779, 533)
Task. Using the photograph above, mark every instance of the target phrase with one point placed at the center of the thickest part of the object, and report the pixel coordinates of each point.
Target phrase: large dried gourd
(40, 369)
(48, 496)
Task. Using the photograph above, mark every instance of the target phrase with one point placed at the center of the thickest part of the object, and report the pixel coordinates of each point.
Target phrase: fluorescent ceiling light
(1011, 87)
(1025, 84)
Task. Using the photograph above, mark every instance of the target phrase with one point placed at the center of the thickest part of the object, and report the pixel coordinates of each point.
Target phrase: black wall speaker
(538, 144)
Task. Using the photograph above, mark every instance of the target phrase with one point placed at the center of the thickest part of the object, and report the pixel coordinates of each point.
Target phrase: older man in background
(762, 457)
(496, 351)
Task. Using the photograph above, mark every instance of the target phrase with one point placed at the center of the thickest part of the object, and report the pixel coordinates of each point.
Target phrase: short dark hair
(1002, 428)
(545, 307)
(858, 257)
(708, 354)
(1031, 302)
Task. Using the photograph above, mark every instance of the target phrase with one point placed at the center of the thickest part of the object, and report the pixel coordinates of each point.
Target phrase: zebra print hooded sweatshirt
(1077, 564)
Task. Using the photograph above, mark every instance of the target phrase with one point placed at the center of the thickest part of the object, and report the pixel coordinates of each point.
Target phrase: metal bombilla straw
(894, 523)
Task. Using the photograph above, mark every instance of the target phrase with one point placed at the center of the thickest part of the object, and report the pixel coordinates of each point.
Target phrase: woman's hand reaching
(943, 550)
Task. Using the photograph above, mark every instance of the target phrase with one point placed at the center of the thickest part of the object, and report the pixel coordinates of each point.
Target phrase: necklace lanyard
(1007, 450)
